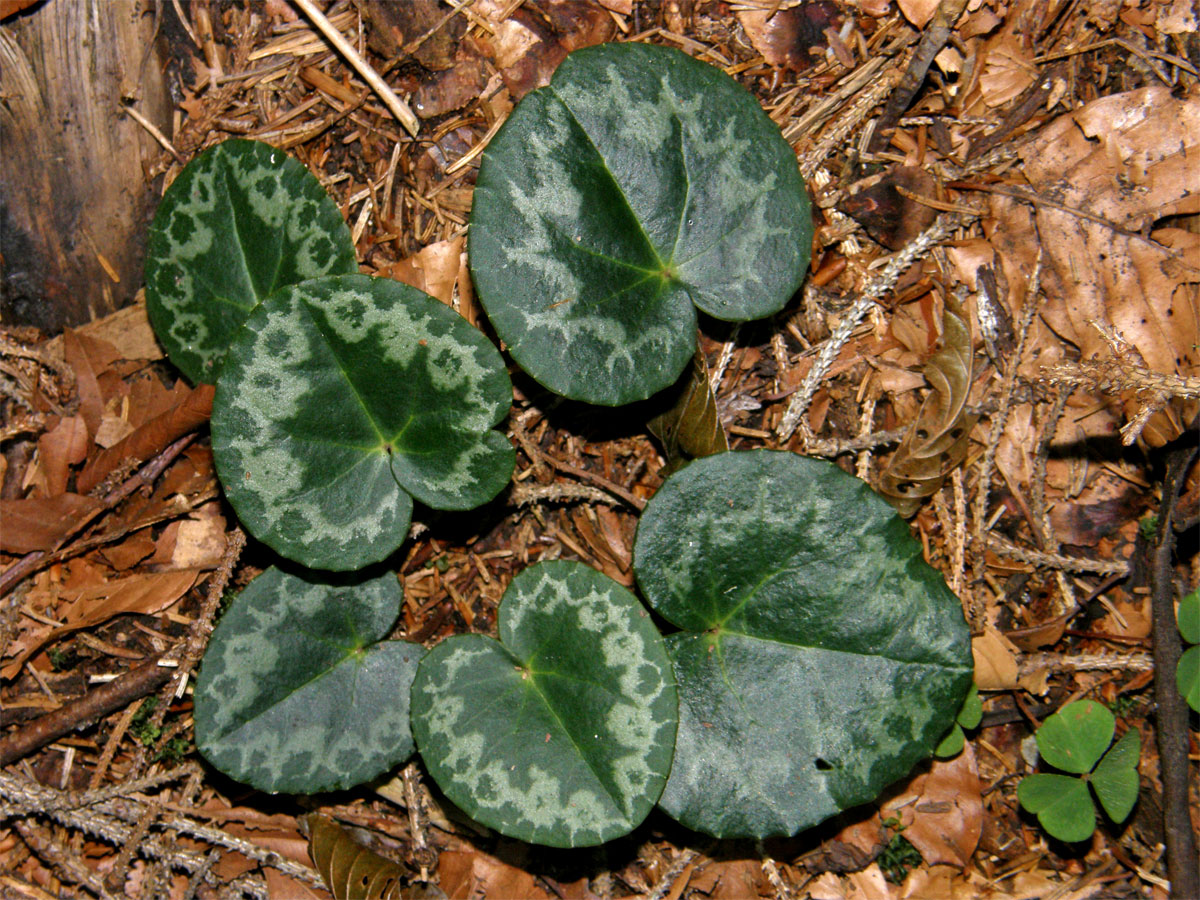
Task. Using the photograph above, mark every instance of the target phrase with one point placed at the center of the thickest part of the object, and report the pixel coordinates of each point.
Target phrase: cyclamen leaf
(342, 400)
(821, 657)
(299, 692)
(1074, 738)
(638, 185)
(561, 732)
(242, 220)
(1115, 779)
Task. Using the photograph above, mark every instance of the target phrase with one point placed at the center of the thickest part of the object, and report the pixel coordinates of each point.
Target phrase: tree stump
(74, 197)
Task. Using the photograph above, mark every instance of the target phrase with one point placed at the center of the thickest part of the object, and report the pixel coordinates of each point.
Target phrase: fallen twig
(1172, 714)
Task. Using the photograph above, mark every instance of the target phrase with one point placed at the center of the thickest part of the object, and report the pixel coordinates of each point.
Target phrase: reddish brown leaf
(144, 594)
(88, 357)
(60, 448)
(41, 523)
(192, 411)
(941, 810)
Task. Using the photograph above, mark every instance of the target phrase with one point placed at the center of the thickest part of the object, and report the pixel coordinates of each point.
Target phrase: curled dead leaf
(691, 427)
(937, 442)
(353, 872)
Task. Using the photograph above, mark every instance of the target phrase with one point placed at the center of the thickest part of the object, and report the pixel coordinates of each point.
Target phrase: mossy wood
(638, 185)
(820, 656)
(242, 220)
(561, 732)
(298, 690)
(344, 398)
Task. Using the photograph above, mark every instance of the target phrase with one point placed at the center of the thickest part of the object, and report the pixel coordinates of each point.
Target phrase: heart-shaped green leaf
(1187, 677)
(1188, 617)
(298, 690)
(1061, 803)
(1115, 780)
(1075, 737)
(638, 185)
(342, 399)
(242, 220)
(969, 716)
(821, 656)
(561, 732)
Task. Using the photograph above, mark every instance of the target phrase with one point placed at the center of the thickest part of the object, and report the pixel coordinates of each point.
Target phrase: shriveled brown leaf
(691, 427)
(937, 442)
(474, 875)
(88, 357)
(63, 446)
(941, 810)
(887, 215)
(352, 871)
(191, 412)
(41, 523)
(1130, 158)
(90, 606)
(995, 661)
(792, 38)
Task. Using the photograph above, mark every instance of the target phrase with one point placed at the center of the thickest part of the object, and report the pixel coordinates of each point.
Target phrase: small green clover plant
(1187, 673)
(817, 656)
(1076, 739)
(969, 716)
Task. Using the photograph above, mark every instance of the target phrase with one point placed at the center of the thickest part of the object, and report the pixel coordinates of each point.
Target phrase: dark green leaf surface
(561, 733)
(1074, 738)
(1188, 617)
(1115, 780)
(1061, 803)
(343, 399)
(242, 220)
(298, 692)
(821, 657)
(1187, 677)
(639, 184)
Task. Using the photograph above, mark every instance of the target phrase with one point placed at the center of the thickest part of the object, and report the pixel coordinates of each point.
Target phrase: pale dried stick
(398, 107)
(877, 288)
(1002, 547)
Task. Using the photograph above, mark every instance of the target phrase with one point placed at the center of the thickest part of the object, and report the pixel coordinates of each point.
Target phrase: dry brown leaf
(63, 446)
(41, 523)
(88, 357)
(995, 661)
(937, 442)
(941, 810)
(199, 539)
(887, 215)
(1130, 158)
(475, 875)
(90, 606)
(130, 551)
(918, 12)
(785, 37)
(192, 411)
(349, 869)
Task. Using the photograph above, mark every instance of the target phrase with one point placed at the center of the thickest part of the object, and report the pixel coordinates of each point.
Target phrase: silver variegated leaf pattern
(820, 656)
(561, 732)
(299, 692)
(638, 185)
(242, 220)
(342, 400)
